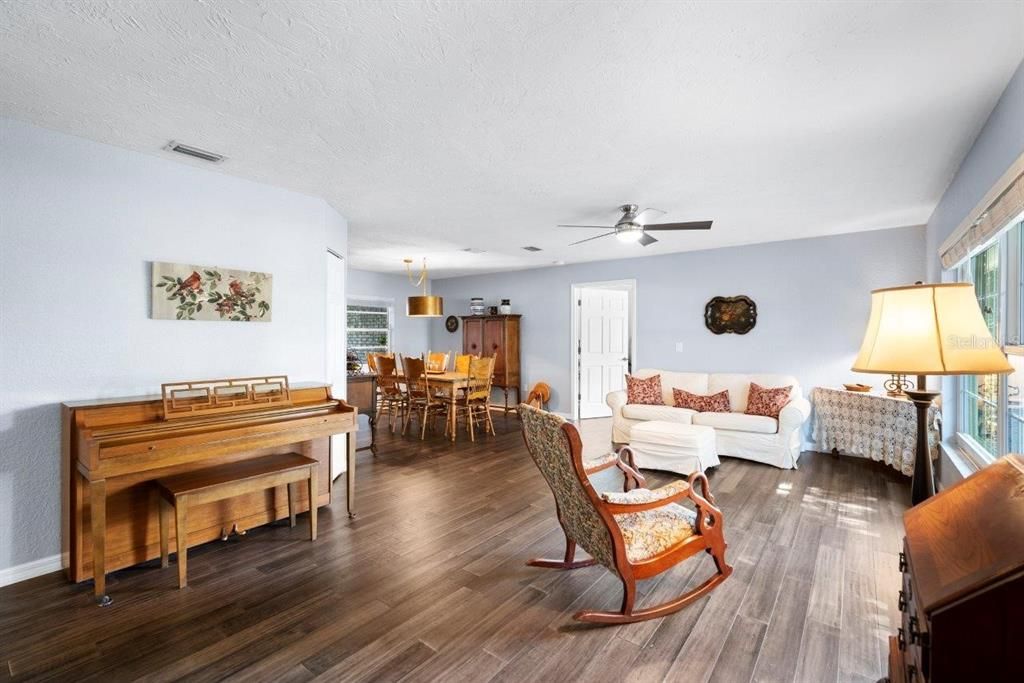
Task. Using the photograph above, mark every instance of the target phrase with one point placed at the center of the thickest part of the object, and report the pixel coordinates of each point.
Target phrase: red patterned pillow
(645, 391)
(767, 402)
(715, 403)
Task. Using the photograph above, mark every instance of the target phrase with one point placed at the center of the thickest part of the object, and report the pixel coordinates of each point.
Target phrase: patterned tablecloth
(870, 425)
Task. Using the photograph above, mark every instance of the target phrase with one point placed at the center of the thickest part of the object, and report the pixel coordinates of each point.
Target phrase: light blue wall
(80, 223)
(998, 145)
(411, 335)
(812, 297)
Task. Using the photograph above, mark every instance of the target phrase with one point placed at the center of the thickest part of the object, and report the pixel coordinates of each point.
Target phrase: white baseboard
(29, 570)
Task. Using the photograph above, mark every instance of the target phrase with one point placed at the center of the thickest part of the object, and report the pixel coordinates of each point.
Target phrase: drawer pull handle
(901, 639)
(902, 603)
(916, 637)
(903, 562)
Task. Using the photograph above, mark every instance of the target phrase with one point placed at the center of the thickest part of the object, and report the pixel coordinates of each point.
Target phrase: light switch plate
(679, 347)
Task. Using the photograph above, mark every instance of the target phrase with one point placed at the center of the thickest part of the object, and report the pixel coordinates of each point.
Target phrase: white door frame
(574, 340)
(335, 347)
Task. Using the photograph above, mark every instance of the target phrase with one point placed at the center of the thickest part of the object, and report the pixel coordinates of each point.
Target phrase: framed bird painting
(189, 292)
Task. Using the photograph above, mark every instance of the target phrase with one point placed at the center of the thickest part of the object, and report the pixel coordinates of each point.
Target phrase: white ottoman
(673, 447)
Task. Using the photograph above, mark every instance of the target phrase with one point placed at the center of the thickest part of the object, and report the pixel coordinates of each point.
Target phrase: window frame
(388, 306)
(1009, 243)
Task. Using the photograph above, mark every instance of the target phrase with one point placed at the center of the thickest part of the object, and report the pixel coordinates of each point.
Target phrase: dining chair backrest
(437, 362)
(371, 362)
(462, 363)
(387, 377)
(415, 372)
(481, 372)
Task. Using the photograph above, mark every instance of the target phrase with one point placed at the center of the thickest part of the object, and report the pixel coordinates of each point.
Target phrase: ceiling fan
(631, 228)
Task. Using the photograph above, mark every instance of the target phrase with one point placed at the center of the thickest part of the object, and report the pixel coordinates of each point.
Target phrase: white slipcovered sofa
(754, 437)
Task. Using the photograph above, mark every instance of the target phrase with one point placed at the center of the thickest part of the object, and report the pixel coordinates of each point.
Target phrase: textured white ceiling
(436, 126)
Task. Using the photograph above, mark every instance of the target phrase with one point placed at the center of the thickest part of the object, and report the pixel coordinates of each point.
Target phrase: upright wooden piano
(113, 449)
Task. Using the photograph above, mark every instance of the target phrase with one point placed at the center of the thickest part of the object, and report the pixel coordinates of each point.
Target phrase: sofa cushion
(765, 401)
(634, 411)
(715, 403)
(738, 385)
(694, 382)
(738, 422)
(644, 391)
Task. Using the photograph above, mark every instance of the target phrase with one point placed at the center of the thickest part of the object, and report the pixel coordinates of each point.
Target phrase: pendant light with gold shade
(928, 329)
(422, 305)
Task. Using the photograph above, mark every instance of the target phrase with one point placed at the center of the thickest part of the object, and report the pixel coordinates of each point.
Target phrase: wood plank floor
(429, 584)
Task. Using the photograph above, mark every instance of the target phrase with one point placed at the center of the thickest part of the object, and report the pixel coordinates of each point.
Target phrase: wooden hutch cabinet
(963, 582)
(497, 335)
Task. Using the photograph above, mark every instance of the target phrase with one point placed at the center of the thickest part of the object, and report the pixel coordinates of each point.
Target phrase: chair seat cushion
(635, 411)
(738, 422)
(652, 532)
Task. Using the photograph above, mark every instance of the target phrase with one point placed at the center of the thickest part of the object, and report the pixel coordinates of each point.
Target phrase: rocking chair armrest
(623, 459)
(709, 517)
(639, 500)
(604, 462)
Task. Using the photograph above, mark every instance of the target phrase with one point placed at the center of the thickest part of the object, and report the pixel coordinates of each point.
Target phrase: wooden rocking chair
(635, 534)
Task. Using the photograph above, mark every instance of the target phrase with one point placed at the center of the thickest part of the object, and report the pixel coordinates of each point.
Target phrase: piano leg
(98, 518)
(350, 475)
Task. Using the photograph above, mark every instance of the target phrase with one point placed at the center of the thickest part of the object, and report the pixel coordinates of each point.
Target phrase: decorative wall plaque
(730, 314)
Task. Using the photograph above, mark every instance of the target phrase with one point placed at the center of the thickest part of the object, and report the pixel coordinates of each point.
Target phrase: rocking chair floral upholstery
(635, 534)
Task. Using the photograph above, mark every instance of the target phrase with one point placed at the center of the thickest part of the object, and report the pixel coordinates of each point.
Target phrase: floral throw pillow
(645, 391)
(767, 402)
(715, 403)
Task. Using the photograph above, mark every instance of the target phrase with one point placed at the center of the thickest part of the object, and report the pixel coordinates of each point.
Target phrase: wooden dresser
(496, 335)
(962, 600)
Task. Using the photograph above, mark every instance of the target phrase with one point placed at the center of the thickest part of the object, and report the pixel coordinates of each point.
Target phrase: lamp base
(896, 385)
(923, 486)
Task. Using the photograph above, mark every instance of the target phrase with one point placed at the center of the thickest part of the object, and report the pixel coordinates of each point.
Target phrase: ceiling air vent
(531, 249)
(474, 250)
(174, 146)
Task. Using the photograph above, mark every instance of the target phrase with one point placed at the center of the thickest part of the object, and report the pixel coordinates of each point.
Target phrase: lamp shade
(426, 306)
(930, 329)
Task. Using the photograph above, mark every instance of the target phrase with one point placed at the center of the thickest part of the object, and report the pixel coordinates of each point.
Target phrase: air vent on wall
(175, 146)
(532, 249)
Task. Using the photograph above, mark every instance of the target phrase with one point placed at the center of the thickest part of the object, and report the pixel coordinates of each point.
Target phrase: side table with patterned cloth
(870, 425)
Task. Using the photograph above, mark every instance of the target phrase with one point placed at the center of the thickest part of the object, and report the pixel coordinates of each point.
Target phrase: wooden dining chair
(391, 399)
(437, 362)
(462, 363)
(475, 402)
(422, 403)
(635, 534)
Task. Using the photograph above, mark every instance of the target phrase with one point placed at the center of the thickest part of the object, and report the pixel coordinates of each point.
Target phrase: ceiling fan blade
(692, 225)
(592, 238)
(657, 211)
(606, 227)
(646, 239)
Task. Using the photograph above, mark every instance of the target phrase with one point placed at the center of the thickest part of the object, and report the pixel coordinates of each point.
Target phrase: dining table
(449, 382)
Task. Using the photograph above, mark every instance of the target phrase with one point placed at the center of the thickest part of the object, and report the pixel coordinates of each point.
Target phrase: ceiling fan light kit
(630, 229)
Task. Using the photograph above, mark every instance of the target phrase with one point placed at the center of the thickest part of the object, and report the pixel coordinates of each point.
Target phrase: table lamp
(927, 329)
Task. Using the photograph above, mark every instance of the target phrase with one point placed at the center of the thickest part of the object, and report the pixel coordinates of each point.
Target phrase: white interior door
(336, 351)
(603, 347)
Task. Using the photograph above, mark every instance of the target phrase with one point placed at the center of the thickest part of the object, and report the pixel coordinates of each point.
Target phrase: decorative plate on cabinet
(451, 323)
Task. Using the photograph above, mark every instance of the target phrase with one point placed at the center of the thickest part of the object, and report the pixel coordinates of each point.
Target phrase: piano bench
(211, 484)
